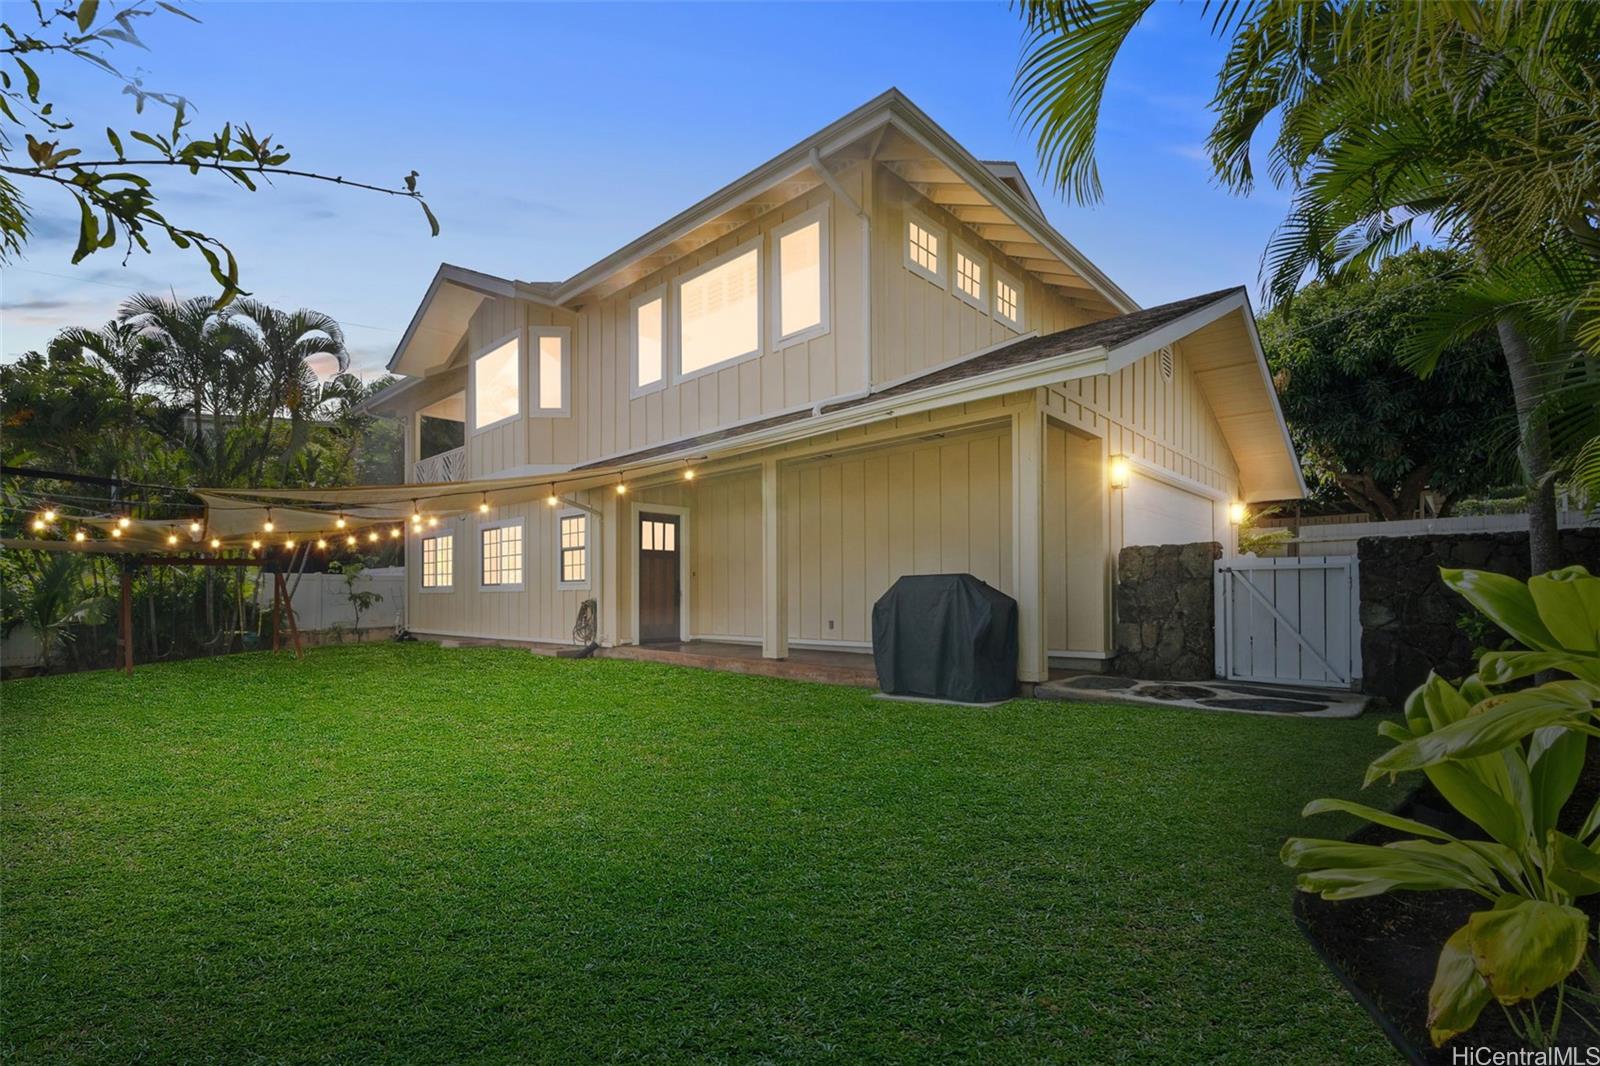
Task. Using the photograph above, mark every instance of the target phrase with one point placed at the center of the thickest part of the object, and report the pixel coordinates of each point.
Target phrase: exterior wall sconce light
(1119, 472)
(1237, 513)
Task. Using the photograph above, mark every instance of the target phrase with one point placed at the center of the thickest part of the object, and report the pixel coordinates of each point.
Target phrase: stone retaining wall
(1411, 622)
(1165, 612)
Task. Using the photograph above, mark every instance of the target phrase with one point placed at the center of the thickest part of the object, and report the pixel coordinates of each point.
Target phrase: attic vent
(1166, 363)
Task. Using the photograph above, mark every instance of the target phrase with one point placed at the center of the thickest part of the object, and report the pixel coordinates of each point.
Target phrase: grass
(402, 852)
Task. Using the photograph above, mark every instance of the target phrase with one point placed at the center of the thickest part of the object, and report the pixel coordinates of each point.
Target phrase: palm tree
(130, 355)
(280, 346)
(192, 339)
(1476, 118)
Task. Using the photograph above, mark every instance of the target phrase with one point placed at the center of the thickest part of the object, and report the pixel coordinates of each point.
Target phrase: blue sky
(549, 134)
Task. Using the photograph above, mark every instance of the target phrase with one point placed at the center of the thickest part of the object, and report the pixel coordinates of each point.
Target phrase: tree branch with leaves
(113, 190)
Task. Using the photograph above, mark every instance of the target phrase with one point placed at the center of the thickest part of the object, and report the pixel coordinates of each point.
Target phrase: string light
(622, 488)
(350, 541)
(552, 499)
(255, 545)
(289, 544)
(321, 544)
(394, 533)
(373, 536)
(80, 536)
(268, 525)
(433, 520)
(124, 522)
(215, 543)
(49, 514)
(340, 523)
(416, 516)
(688, 473)
(38, 525)
(172, 538)
(117, 532)
(195, 527)
(483, 505)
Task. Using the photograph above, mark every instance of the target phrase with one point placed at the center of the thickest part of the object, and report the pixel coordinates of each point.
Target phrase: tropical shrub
(1508, 760)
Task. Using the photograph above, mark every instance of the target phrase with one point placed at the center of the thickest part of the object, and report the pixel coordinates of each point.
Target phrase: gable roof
(1220, 343)
(992, 197)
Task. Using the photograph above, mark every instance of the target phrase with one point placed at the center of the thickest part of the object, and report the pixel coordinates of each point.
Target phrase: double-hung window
(800, 272)
(500, 555)
(438, 562)
(497, 383)
(719, 311)
(573, 561)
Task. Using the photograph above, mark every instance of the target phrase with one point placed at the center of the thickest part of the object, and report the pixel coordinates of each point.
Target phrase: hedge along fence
(1411, 623)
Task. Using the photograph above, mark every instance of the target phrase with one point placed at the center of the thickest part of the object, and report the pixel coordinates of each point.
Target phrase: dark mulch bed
(1385, 948)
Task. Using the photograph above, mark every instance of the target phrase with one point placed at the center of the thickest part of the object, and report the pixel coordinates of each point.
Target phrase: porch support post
(615, 563)
(1027, 540)
(775, 589)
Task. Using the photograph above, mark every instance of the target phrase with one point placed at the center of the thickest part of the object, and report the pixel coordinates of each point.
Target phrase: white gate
(1290, 621)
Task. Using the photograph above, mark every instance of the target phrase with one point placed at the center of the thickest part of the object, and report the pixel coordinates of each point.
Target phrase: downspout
(849, 201)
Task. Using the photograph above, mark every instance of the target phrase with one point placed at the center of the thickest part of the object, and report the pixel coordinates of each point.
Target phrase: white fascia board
(1132, 351)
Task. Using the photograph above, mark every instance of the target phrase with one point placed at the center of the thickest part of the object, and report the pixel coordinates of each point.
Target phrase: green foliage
(1508, 759)
(115, 198)
(50, 593)
(1367, 429)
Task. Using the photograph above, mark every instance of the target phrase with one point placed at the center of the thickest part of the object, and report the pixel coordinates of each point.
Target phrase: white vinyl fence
(1337, 535)
(322, 601)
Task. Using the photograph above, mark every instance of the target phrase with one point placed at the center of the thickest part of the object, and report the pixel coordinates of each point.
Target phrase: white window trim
(658, 293)
(684, 569)
(588, 553)
(937, 277)
(997, 275)
(818, 214)
(520, 336)
(985, 276)
(531, 345)
(678, 374)
(478, 552)
(422, 584)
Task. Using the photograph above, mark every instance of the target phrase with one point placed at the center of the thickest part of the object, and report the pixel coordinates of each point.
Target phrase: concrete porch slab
(803, 664)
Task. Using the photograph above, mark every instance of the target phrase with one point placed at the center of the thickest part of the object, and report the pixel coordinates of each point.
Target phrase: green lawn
(403, 852)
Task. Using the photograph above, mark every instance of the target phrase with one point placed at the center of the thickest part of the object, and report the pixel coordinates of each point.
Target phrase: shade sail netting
(946, 636)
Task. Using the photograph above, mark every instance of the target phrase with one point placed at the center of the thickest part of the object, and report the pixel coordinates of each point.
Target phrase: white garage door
(1157, 513)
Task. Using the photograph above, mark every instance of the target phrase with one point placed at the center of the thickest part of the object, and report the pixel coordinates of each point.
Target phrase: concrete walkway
(1216, 695)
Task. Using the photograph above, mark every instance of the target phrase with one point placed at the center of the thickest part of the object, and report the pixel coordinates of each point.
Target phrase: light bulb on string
(350, 541)
(255, 545)
(117, 532)
(124, 522)
(483, 504)
(340, 523)
(268, 526)
(373, 536)
(172, 538)
(49, 514)
(38, 525)
(195, 527)
(215, 543)
(80, 536)
(394, 533)
(321, 543)
(289, 544)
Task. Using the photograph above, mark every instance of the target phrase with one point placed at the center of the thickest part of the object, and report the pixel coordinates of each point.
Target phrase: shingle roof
(1106, 333)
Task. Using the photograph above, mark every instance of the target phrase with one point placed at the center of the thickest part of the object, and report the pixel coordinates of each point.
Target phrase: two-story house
(870, 356)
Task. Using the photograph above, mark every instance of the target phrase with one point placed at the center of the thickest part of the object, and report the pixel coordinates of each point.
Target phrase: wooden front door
(659, 576)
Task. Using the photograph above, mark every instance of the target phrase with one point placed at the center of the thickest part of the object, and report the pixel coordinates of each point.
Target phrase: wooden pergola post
(125, 579)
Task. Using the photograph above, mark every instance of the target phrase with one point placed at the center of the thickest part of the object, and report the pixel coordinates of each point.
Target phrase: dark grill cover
(946, 636)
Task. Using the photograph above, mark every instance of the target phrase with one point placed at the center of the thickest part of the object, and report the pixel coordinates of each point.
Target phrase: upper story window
(719, 311)
(552, 369)
(438, 561)
(497, 383)
(969, 276)
(649, 341)
(800, 256)
(500, 555)
(924, 248)
(1008, 301)
(573, 562)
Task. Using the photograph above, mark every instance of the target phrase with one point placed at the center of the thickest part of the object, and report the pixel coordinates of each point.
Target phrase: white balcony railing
(446, 466)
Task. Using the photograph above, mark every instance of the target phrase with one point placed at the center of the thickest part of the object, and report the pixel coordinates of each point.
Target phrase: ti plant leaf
(1459, 992)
